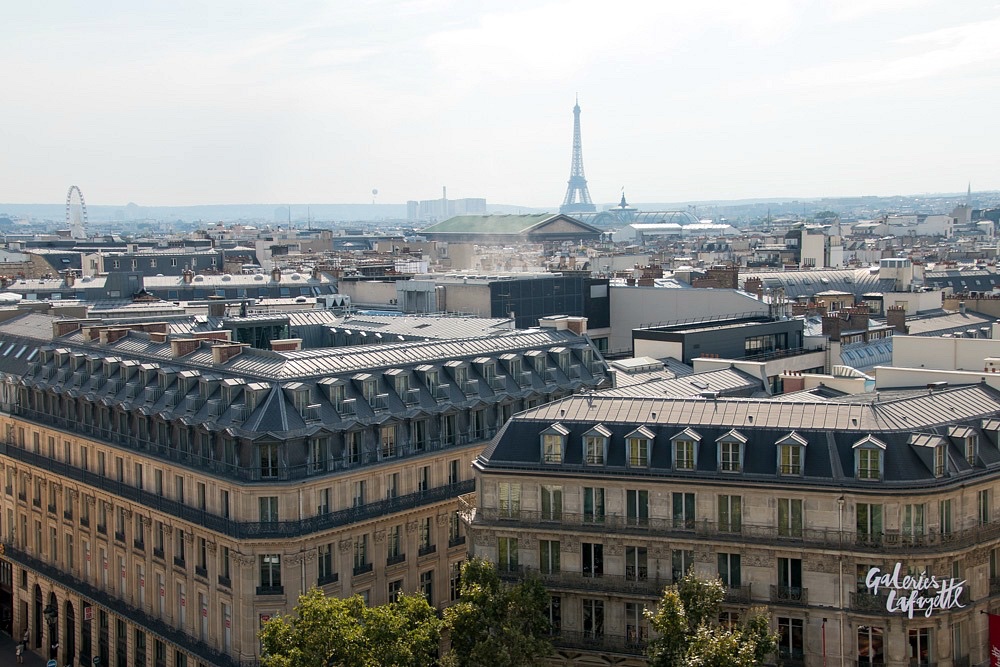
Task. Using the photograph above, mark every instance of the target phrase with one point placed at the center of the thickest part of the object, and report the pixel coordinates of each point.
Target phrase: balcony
(179, 562)
(120, 536)
(139, 544)
(362, 569)
(738, 594)
(325, 579)
(271, 590)
(790, 595)
(869, 603)
(994, 585)
(68, 515)
(201, 572)
(456, 541)
(85, 522)
(158, 553)
(37, 502)
(427, 550)
(225, 582)
(52, 509)
(395, 560)
(245, 529)
(586, 641)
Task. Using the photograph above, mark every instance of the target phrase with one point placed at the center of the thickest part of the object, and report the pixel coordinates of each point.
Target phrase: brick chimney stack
(895, 317)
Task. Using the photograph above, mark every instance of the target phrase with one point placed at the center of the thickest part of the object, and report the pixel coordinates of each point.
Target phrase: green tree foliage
(495, 624)
(689, 634)
(335, 632)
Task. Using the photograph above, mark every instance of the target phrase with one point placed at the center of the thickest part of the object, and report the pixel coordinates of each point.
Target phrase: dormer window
(554, 443)
(940, 460)
(461, 375)
(432, 379)
(730, 451)
(868, 458)
(790, 451)
(402, 384)
(369, 388)
(968, 440)
(638, 447)
(686, 449)
(595, 445)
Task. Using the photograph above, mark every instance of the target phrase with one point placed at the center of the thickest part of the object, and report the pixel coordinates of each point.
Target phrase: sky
(186, 103)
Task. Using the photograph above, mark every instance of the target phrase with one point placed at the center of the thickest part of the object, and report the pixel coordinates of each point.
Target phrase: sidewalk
(31, 659)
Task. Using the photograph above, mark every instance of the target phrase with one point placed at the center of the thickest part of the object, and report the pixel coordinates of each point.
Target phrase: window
(636, 564)
(554, 614)
(683, 510)
(453, 472)
(361, 563)
(427, 585)
(730, 456)
(790, 459)
(638, 452)
(387, 439)
(871, 645)
(920, 653)
(352, 447)
(790, 579)
(359, 493)
(729, 569)
(224, 563)
(426, 536)
(551, 502)
(393, 545)
(971, 449)
(913, 521)
(593, 559)
(869, 523)
(391, 485)
(730, 514)
(201, 496)
(940, 460)
(593, 618)
(868, 459)
(684, 454)
(455, 530)
(423, 478)
(268, 509)
(636, 627)
(790, 644)
(593, 449)
(319, 454)
(552, 448)
(455, 580)
(507, 554)
(789, 517)
(179, 555)
(510, 499)
(944, 510)
(548, 556)
(268, 460)
(983, 507)
(395, 590)
(270, 572)
(593, 505)
(637, 507)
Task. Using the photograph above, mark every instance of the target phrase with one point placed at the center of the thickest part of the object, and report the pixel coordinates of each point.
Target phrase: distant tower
(577, 197)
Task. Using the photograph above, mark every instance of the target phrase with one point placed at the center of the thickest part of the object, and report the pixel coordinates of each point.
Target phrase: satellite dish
(374, 191)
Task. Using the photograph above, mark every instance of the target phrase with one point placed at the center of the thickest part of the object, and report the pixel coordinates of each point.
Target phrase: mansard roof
(829, 432)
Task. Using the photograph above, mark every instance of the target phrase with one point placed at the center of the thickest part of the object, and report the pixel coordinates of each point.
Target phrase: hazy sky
(241, 102)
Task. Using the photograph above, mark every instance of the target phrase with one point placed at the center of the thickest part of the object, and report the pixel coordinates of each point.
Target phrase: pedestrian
(19, 652)
(26, 637)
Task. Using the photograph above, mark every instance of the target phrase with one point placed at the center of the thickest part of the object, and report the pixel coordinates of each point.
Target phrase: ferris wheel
(76, 217)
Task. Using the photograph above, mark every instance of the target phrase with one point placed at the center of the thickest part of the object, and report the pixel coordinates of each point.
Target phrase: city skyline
(190, 105)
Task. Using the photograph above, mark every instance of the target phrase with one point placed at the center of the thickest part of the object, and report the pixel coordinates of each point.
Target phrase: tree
(689, 634)
(495, 624)
(336, 632)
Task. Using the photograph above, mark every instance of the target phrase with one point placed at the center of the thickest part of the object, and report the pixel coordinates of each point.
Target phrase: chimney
(316, 273)
(832, 325)
(961, 307)
(895, 317)
(223, 353)
(276, 274)
(286, 345)
(157, 337)
(790, 383)
(181, 347)
(111, 335)
(188, 276)
(62, 327)
(69, 277)
(858, 317)
(216, 306)
(577, 325)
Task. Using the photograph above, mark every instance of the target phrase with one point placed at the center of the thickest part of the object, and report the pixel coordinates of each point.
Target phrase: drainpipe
(840, 505)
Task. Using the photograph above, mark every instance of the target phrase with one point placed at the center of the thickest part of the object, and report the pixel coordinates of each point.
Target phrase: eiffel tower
(577, 197)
